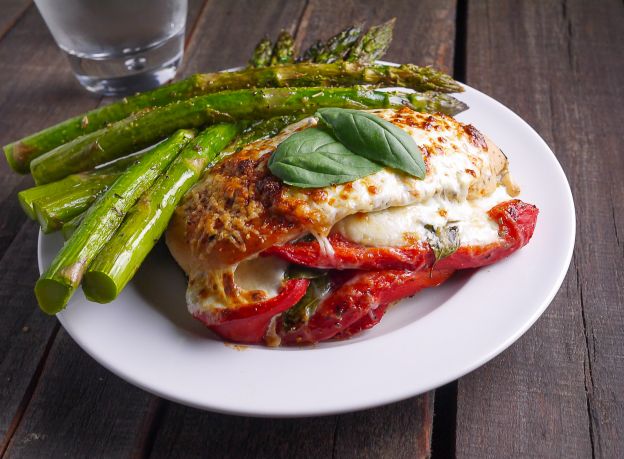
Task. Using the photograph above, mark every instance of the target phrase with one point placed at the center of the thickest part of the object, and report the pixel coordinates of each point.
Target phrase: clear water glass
(118, 47)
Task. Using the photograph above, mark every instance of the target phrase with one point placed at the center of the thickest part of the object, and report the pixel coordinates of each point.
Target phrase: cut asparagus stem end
(47, 222)
(27, 205)
(99, 287)
(52, 295)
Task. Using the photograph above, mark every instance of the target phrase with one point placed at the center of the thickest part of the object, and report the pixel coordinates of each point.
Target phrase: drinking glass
(118, 47)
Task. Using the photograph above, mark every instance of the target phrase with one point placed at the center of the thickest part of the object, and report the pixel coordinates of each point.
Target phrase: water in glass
(118, 47)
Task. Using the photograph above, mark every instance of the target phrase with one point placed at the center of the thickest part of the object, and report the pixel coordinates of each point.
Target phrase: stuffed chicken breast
(276, 263)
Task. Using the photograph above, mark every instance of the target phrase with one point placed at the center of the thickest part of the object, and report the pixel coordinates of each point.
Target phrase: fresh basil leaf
(374, 138)
(303, 272)
(305, 308)
(313, 158)
(444, 241)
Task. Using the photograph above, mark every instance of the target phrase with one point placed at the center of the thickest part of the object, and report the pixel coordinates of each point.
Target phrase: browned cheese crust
(239, 208)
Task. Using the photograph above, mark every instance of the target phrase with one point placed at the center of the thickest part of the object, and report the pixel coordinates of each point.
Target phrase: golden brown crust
(240, 208)
(227, 217)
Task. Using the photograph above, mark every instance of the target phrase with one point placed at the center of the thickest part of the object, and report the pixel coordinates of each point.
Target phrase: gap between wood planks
(17, 15)
(445, 400)
(30, 390)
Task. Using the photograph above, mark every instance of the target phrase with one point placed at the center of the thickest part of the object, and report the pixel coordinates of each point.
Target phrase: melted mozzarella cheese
(261, 276)
(264, 274)
(401, 226)
(450, 173)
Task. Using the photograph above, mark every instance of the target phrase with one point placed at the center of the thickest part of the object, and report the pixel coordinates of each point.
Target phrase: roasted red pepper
(516, 220)
(516, 223)
(248, 323)
(359, 299)
(345, 311)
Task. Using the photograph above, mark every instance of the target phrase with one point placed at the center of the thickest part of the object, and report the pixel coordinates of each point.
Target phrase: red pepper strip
(515, 218)
(349, 255)
(351, 302)
(365, 323)
(248, 323)
(516, 223)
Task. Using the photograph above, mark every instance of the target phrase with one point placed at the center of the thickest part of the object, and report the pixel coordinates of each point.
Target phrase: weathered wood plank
(558, 392)
(228, 31)
(12, 10)
(25, 331)
(400, 430)
(36, 89)
(379, 432)
(187, 432)
(427, 32)
(79, 409)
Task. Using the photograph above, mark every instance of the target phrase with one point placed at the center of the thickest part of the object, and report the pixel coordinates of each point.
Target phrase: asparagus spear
(57, 284)
(262, 54)
(373, 44)
(64, 201)
(339, 45)
(141, 130)
(284, 49)
(20, 153)
(435, 102)
(120, 258)
(53, 211)
(310, 54)
(63, 188)
(70, 226)
(262, 129)
(58, 202)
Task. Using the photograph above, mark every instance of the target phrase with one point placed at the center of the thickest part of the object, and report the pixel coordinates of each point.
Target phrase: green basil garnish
(303, 272)
(444, 241)
(375, 139)
(312, 158)
(305, 308)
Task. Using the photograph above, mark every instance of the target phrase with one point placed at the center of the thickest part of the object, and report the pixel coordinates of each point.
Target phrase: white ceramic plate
(147, 337)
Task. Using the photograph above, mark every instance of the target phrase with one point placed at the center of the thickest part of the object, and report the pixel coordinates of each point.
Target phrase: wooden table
(557, 392)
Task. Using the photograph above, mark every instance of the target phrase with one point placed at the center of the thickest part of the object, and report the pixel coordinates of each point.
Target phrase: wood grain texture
(558, 392)
(400, 430)
(390, 431)
(25, 333)
(79, 409)
(36, 89)
(228, 31)
(12, 10)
